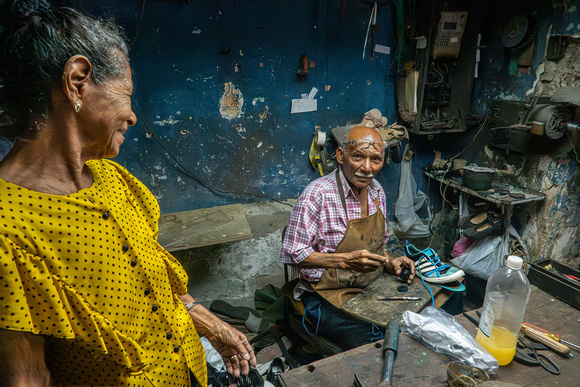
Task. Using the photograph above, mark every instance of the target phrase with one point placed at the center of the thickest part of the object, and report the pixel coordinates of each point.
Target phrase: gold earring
(77, 106)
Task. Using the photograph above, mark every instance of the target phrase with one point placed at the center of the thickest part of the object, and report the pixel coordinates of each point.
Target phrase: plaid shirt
(318, 222)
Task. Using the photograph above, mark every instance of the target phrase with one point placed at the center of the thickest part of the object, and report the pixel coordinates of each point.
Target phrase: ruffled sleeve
(35, 300)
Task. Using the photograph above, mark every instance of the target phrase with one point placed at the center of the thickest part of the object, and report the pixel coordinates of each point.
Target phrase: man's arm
(232, 345)
(22, 360)
(360, 260)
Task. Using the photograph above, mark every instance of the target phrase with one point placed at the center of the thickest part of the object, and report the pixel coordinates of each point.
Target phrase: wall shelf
(493, 195)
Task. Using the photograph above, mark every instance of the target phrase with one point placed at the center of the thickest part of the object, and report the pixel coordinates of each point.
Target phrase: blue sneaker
(430, 267)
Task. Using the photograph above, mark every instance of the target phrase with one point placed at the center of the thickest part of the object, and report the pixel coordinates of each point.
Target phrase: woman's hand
(232, 345)
(234, 348)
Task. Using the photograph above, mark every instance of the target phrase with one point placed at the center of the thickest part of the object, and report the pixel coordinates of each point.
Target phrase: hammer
(390, 345)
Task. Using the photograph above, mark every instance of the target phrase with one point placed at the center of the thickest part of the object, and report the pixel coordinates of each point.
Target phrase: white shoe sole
(441, 280)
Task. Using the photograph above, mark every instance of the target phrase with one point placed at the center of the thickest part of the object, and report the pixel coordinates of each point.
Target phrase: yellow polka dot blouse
(86, 270)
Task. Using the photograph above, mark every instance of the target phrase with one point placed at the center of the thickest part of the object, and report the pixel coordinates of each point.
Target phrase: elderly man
(336, 237)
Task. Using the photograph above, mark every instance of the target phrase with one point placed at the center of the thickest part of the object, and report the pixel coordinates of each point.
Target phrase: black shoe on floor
(276, 368)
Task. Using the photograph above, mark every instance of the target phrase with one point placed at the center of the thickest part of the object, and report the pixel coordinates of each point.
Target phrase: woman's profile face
(106, 115)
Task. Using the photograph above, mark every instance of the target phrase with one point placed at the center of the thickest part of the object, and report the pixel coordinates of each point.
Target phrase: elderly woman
(88, 296)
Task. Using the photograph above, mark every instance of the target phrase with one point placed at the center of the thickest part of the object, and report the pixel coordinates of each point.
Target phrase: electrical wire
(199, 179)
(569, 135)
(442, 190)
(138, 25)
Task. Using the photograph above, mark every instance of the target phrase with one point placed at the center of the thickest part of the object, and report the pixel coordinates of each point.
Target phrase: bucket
(477, 178)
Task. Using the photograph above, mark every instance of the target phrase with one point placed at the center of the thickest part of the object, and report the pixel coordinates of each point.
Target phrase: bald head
(357, 132)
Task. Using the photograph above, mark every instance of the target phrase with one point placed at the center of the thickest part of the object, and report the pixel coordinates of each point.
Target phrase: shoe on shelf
(495, 225)
(430, 267)
(474, 220)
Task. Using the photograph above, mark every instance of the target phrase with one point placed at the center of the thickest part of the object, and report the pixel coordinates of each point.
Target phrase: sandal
(237, 312)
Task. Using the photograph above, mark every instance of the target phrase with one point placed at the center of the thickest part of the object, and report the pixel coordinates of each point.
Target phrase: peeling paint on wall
(231, 102)
(167, 121)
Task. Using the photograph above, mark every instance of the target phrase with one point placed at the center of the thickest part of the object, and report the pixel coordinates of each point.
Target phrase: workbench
(369, 307)
(417, 365)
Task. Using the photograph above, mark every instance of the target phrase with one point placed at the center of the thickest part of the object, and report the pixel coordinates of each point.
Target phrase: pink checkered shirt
(318, 222)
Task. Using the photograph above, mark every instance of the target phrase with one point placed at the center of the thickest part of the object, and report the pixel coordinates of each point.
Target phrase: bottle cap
(514, 262)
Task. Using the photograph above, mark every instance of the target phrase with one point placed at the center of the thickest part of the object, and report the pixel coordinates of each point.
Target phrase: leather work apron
(338, 285)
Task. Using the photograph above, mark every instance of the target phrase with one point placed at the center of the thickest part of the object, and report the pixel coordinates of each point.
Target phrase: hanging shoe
(430, 267)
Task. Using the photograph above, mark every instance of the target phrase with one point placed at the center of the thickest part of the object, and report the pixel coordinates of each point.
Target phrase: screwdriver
(541, 337)
(549, 334)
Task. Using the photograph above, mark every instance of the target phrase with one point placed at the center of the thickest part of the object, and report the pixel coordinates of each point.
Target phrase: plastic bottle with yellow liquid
(506, 297)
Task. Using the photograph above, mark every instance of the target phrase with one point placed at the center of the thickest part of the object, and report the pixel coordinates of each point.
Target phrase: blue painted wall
(180, 69)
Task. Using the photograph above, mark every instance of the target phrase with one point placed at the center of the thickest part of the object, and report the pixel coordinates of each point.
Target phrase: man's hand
(395, 265)
(364, 261)
(234, 348)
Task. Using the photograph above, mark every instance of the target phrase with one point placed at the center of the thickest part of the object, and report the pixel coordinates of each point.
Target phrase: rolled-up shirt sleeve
(383, 206)
(302, 234)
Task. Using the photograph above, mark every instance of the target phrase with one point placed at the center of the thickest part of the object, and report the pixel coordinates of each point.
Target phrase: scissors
(527, 353)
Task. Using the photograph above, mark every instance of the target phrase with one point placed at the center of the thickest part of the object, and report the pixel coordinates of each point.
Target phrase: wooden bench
(203, 227)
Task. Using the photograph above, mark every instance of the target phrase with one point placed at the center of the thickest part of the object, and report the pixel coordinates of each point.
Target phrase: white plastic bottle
(506, 296)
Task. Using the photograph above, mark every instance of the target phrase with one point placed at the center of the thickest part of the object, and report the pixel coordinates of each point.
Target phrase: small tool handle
(540, 337)
(390, 345)
(391, 341)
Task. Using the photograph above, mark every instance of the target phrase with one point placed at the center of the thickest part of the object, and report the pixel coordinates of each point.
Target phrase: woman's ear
(75, 78)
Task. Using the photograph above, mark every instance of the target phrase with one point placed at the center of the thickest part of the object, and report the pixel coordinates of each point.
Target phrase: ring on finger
(233, 357)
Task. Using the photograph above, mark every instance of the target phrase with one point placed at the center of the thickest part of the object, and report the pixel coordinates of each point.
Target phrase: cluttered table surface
(417, 365)
(381, 301)
(504, 194)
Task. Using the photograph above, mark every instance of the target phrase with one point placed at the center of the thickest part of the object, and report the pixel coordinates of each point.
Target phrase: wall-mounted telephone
(449, 34)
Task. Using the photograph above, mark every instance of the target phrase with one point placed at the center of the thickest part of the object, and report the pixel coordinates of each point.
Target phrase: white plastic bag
(410, 200)
(486, 255)
(212, 356)
(439, 331)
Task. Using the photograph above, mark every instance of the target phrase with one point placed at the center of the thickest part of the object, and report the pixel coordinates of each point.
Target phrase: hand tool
(399, 299)
(540, 337)
(390, 345)
(550, 335)
(526, 353)
(474, 321)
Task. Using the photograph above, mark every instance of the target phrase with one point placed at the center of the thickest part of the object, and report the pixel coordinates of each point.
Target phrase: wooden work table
(417, 365)
(368, 306)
